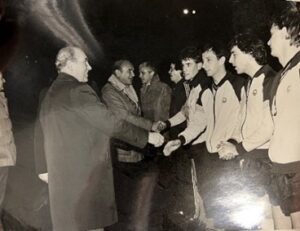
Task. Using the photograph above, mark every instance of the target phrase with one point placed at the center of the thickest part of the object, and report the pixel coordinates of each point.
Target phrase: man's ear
(285, 33)
(199, 65)
(117, 72)
(222, 60)
(152, 73)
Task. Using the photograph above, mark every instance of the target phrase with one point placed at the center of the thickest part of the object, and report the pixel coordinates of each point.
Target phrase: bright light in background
(251, 210)
(193, 12)
(185, 11)
(55, 19)
(249, 216)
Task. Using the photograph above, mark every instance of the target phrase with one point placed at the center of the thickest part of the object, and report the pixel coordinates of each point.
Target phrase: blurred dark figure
(178, 97)
(7, 144)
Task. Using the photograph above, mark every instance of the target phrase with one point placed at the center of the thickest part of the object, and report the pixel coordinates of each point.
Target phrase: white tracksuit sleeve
(196, 124)
(178, 118)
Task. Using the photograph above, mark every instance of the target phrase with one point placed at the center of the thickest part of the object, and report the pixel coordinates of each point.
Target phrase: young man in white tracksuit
(284, 150)
(195, 83)
(217, 112)
(248, 56)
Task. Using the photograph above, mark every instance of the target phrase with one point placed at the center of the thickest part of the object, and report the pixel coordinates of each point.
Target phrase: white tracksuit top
(285, 143)
(217, 114)
(256, 125)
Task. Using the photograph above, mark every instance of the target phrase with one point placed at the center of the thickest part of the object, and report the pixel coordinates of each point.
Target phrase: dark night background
(135, 29)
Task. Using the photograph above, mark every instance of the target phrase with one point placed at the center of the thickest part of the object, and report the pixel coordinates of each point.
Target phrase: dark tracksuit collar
(216, 86)
(293, 62)
(263, 70)
(195, 81)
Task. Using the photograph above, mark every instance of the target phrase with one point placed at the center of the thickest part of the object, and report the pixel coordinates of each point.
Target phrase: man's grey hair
(65, 54)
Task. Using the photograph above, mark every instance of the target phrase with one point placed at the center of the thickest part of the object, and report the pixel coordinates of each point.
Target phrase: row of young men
(253, 126)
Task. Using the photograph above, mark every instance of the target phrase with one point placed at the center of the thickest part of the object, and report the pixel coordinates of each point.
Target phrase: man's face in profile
(239, 59)
(277, 38)
(175, 75)
(190, 68)
(81, 66)
(126, 74)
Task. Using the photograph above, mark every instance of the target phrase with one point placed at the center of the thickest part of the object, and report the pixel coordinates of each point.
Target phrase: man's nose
(89, 67)
(230, 59)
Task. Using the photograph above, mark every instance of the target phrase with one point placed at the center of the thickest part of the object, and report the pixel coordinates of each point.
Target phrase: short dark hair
(218, 48)
(191, 53)
(250, 44)
(177, 64)
(289, 18)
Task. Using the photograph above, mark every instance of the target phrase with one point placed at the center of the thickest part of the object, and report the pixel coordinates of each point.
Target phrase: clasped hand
(171, 146)
(156, 139)
(227, 150)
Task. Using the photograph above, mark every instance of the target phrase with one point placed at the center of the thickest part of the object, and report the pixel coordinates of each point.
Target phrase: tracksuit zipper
(214, 113)
(247, 96)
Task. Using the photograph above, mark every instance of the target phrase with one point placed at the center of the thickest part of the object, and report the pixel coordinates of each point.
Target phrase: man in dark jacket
(178, 97)
(155, 95)
(120, 97)
(77, 128)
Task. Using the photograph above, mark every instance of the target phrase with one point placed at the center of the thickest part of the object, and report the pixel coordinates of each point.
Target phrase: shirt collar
(117, 83)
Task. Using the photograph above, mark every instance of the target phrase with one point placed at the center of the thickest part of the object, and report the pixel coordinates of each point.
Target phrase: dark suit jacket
(77, 128)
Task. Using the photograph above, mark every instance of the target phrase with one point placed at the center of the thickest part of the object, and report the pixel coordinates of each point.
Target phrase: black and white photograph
(149, 115)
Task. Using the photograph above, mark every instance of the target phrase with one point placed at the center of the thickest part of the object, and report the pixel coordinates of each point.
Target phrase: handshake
(159, 126)
(155, 137)
(226, 150)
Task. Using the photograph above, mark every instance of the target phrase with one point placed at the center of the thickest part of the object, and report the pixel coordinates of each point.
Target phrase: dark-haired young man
(195, 82)
(284, 150)
(249, 56)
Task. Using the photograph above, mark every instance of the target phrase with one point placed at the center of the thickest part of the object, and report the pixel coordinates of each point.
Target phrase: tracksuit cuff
(240, 148)
(168, 125)
(232, 141)
(182, 139)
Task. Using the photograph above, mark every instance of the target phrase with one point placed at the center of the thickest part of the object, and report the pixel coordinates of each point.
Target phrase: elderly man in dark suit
(77, 128)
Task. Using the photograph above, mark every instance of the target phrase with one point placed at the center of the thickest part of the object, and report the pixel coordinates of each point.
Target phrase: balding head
(65, 54)
(73, 61)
